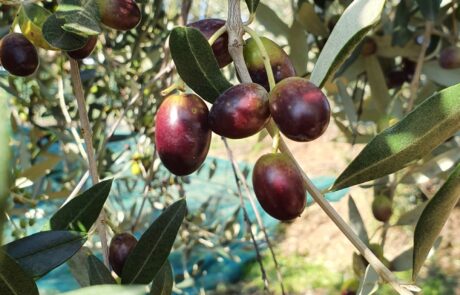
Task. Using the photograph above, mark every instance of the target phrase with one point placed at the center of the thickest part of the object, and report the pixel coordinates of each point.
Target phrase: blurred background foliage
(123, 79)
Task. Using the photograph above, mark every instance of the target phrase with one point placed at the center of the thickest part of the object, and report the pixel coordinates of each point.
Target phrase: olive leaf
(299, 47)
(4, 159)
(429, 8)
(98, 273)
(109, 289)
(377, 83)
(271, 21)
(163, 282)
(196, 64)
(31, 18)
(352, 26)
(81, 212)
(310, 20)
(40, 253)
(13, 279)
(433, 218)
(153, 248)
(356, 221)
(369, 283)
(419, 132)
(55, 35)
(252, 5)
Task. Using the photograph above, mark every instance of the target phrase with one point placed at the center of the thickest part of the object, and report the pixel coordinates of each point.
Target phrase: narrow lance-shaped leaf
(368, 284)
(98, 273)
(31, 17)
(352, 26)
(433, 219)
(82, 211)
(419, 132)
(429, 8)
(196, 64)
(271, 21)
(55, 35)
(42, 252)
(163, 282)
(252, 5)
(356, 221)
(13, 279)
(154, 246)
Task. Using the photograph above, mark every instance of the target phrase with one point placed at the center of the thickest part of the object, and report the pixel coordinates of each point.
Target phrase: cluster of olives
(300, 109)
(19, 57)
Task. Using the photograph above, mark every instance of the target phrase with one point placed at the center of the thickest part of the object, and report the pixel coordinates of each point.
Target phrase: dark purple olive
(279, 186)
(121, 246)
(382, 208)
(122, 15)
(396, 78)
(18, 55)
(208, 27)
(300, 109)
(182, 133)
(281, 64)
(86, 50)
(449, 58)
(240, 111)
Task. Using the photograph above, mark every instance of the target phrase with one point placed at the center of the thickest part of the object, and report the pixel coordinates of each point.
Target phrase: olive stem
(87, 135)
(276, 141)
(234, 25)
(217, 34)
(265, 56)
(178, 85)
(418, 69)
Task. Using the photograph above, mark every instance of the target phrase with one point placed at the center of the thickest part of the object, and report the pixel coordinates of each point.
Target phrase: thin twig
(234, 26)
(418, 69)
(246, 217)
(259, 220)
(87, 135)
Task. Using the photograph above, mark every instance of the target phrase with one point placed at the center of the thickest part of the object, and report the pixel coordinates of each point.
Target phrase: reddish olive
(279, 186)
(18, 55)
(208, 27)
(449, 58)
(240, 111)
(86, 50)
(121, 246)
(281, 65)
(382, 208)
(300, 109)
(182, 133)
(122, 15)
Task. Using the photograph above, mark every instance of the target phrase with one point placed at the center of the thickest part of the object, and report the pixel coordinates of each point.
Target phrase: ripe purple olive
(449, 58)
(122, 15)
(382, 208)
(208, 27)
(396, 78)
(279, 186)
(240, 111)
(86, 50)
(281, 64)
(300, 109)
(182, 133)
(18, 55)
(121, 246)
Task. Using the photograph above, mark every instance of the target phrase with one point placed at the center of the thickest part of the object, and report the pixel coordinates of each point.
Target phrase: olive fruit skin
(279, 186)
(85, 51)
(18, 55)
(240, 111)
(208, 27)
(300, 109)
(122, 15)
(449, 58)
(182, 133)
(120, 247)
(281, 64)
(382, 208)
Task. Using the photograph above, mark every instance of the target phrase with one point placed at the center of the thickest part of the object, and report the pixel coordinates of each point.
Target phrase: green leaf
(42, 252)
(13, 279)
(271, 21)
(252, 5)
(31, 18)
(98, 273)
(352, 26)
(369, 283)
(109, 289)
(377, 83)
(163, 282)
(429, 8)
(433, 218)
(356, 221)
(56, 36)
(196, 64)
(419, 132)
(78, 266)
(412, 216)
(81, 212)
(401, 33)
(4, 159)
(38, 170)
(310, 20)
(154, 246)
(299, 48)
(403, 261)
(82, 23)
